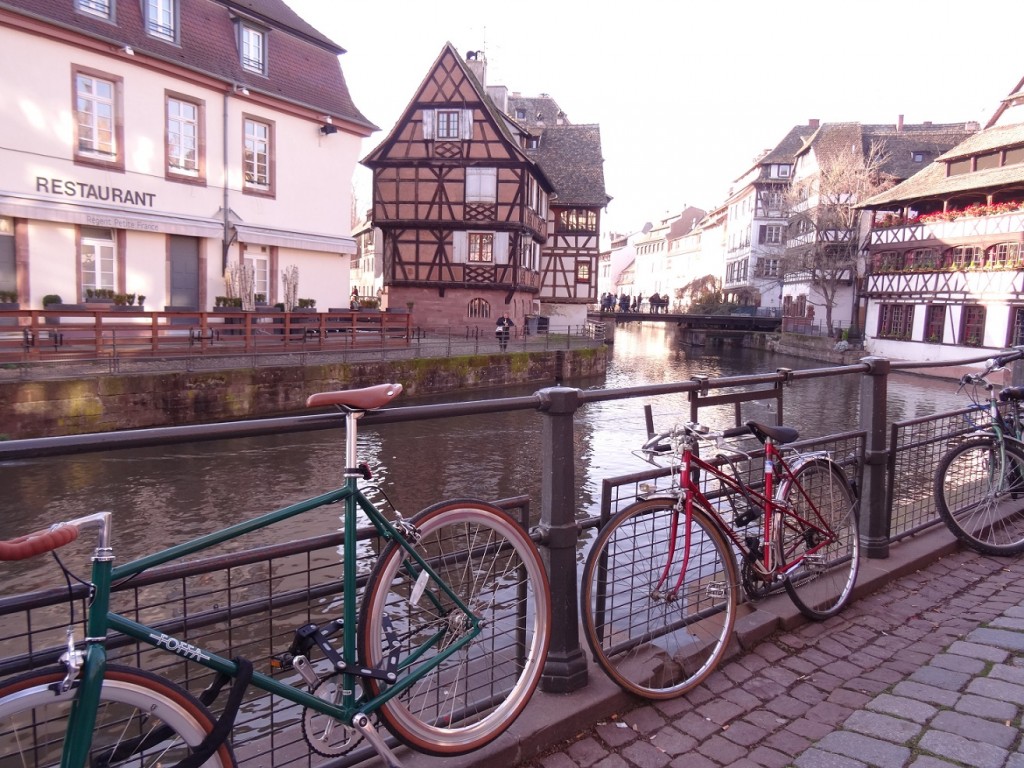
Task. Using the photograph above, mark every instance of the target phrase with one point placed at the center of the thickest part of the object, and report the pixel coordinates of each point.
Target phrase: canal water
(164, 495)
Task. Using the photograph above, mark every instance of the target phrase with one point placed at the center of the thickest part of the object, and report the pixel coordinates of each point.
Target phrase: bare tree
(824, 222)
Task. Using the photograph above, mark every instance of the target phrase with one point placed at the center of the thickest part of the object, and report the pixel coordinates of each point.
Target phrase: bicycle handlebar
(661, 443)
(991, 365)
(55, 537)
(39, 542)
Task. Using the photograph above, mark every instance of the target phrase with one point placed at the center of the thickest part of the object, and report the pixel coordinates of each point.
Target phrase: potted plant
(9, 300)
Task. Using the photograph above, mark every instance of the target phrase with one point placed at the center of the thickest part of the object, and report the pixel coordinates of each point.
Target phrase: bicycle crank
(325, 735)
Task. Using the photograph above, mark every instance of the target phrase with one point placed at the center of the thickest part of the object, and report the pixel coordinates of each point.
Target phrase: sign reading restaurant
(86, 191)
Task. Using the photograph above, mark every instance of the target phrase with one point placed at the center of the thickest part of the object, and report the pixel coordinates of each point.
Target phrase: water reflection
(161, 496)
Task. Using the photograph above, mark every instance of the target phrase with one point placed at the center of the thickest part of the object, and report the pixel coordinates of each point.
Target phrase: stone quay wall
(110, 402)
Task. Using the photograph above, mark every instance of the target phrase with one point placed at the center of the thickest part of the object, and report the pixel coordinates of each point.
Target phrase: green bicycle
(979, 483)
(446, 649)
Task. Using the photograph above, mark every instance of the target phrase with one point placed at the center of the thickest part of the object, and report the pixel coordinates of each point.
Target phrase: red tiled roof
(303, 65)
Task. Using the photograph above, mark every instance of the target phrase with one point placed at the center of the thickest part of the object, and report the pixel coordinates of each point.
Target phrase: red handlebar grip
(37, 543)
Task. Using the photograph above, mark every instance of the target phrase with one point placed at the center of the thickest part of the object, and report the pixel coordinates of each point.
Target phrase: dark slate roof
(933, 182)
(931, 140)
(785, 151)
(541, 111)
(570, 156)
(303, 64)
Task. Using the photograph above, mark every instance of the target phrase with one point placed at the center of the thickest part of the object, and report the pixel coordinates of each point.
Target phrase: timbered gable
(460, 195)
(449, 119)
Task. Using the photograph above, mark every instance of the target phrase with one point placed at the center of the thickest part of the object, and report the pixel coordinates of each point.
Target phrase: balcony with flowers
(1003, 256)
(976, 220)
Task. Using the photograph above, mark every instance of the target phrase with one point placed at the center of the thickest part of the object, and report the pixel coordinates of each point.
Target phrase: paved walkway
(925, 670)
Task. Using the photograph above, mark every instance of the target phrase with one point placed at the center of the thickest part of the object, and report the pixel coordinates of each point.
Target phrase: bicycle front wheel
(142, 721)
(655, 626)
(978, 491)
(456, 699)
(818, 539)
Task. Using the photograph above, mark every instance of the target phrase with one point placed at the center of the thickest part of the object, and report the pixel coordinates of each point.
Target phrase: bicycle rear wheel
(142, 721)
(466, 699)
(978, 491)
(656, 637)
(818, 538)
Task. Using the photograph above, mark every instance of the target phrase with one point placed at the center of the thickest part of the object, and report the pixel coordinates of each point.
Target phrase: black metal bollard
(566, 667)
(875, 513)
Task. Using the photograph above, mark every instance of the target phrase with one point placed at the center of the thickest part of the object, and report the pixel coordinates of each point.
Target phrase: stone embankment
(101, 401)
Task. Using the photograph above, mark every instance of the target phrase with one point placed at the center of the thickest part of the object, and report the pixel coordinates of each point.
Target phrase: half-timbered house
(464, 191)
(946, 248)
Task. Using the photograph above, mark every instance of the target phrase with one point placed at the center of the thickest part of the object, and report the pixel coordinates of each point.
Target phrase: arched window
(963, 257)
(479, 308)
(923, 259)
(1003, 256)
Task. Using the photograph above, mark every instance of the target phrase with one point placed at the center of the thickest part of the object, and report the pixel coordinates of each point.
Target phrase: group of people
(656, 303)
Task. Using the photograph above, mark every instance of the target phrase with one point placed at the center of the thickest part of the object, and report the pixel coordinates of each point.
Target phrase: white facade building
(148, 155)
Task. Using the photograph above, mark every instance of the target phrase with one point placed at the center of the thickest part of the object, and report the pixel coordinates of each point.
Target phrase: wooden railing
(38, 334)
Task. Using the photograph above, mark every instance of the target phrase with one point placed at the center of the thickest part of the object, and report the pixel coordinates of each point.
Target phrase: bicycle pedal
(281, 662)
(814, 563)
(746, 517)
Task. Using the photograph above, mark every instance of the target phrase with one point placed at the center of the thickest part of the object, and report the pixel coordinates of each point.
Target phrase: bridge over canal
(696, 329)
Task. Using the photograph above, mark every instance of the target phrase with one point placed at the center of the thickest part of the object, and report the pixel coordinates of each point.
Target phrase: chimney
(477, 63)
(813, 122)
(899, 124)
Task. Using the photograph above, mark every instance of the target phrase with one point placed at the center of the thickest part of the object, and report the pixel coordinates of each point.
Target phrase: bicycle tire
(977, 496)
(133, 703)
(822, 576)
(658, 645)
(471, 697)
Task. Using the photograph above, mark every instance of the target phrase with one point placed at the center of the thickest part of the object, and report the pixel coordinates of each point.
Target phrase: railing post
(566, 667)
(874, 516)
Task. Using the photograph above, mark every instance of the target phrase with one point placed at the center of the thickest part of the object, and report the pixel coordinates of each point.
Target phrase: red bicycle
(661, 582)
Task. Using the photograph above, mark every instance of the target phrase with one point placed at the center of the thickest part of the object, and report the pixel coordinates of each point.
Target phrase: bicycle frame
(101, 619)
(769, 561)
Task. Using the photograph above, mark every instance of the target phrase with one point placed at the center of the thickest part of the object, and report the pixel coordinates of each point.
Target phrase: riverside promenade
(924, 669)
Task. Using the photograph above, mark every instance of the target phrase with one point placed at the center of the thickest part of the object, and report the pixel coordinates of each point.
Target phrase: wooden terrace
(96, 333)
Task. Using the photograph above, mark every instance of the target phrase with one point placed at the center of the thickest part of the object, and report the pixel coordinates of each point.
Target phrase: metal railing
(200, 353)
(250, 603)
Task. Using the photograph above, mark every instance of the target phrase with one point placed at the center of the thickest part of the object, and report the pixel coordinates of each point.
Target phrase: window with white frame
(449, 123)
(96, 107)
(260, 264)
(783, 171)
(770, 234)
(256, 160)
(161, 19)
(481, 247)
(481, 185)
(96, 247)
(183, 137)
(253, 46)
(101, 8)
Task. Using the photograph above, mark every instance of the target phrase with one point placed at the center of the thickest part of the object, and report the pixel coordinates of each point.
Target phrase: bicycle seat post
(351, 455)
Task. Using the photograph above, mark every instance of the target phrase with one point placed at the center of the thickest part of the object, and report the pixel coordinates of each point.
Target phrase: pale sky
(687, 94)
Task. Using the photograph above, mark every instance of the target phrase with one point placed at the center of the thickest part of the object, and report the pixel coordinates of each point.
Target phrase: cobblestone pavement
(927, 671)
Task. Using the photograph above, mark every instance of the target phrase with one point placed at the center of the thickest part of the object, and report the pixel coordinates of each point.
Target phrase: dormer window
(162, 19)
(917, 157)
(520, 114)
(253, 46)
(783, 171)
(100, 8)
